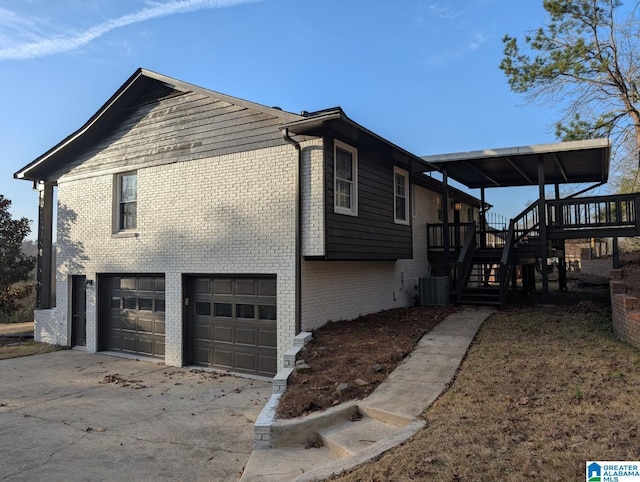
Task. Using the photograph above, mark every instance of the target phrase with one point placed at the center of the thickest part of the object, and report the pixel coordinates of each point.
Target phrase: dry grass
(18, 347)
(542, 390)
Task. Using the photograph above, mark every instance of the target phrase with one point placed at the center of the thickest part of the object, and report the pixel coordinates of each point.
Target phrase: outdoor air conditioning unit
(434, 291)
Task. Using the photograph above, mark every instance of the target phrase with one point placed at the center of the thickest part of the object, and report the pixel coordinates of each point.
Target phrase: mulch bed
(347, 360)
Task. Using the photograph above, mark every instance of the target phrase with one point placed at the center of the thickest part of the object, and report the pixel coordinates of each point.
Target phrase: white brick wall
(343, 290)
(339, 290)
(313, 198)
(425, 210)
(232, 214)
(226, 215)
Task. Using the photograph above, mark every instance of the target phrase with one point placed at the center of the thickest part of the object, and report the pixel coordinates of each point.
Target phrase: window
(439, 205)
(345, 176)
(127, 201)
(401, 196)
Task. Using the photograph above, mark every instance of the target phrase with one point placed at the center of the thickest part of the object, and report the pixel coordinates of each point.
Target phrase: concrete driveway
(70, 415)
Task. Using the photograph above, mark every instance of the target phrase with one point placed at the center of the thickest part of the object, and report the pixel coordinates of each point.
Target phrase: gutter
(298, 229)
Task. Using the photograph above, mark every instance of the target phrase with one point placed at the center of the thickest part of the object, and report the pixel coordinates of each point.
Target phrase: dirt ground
(347, 360)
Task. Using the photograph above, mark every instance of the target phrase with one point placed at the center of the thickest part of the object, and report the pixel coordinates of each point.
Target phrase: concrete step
(352, 437)
(285, 463)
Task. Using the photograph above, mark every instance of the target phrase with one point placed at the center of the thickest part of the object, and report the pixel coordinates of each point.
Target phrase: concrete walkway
(356, 432)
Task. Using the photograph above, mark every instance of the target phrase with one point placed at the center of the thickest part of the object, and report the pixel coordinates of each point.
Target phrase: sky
(422, 74)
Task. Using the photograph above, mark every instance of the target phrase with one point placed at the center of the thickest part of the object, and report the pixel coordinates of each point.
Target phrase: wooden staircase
(482, 266)
(482, 283)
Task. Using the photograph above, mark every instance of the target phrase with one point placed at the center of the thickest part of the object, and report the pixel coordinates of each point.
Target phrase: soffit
(564, 163)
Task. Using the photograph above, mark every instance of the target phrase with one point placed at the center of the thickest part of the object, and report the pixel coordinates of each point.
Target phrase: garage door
(132, 314)
(232, 323)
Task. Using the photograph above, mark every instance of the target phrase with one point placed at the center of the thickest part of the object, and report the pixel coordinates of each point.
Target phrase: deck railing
(600, 212)
(526, 224)
(457, 235)
(493, 237)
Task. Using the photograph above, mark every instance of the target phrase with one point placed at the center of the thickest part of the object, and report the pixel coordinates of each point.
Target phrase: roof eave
(303, 126)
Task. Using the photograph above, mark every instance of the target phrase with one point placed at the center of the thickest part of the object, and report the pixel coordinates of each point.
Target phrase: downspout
(298, 216)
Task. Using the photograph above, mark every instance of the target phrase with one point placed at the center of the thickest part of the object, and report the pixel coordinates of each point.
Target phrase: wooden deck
(482, 263)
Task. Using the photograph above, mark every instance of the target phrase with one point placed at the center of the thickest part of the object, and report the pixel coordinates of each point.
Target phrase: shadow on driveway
(71, 415)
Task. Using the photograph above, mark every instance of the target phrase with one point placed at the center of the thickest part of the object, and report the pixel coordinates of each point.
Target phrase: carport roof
(564, 162)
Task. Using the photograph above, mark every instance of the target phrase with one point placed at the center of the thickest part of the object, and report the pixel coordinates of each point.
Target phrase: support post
(616, 255)
(445, 220)
(483, 221)
(44, 293)
(562, 268)
(544, 248)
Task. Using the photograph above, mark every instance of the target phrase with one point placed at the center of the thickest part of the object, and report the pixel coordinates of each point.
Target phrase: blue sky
(422, 74)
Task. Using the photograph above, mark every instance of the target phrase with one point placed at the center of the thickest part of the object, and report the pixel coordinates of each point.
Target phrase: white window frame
(353, 210)
(405, 175)
(118, 221)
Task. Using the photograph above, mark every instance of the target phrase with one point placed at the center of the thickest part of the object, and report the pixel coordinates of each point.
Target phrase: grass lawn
(542, 390)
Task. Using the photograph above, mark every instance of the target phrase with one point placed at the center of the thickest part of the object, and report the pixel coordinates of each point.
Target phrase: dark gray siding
(179, 127)
(372, 235)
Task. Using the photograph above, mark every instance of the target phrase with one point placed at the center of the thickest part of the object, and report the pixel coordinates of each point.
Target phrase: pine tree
(586, 62)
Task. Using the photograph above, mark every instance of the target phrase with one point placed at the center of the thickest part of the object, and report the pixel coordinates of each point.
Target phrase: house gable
(153, 119)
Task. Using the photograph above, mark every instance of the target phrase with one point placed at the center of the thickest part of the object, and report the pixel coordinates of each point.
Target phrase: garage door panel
(267, 337)
(267, 287)
(129, 343)
(145, 345)
(245, 336)
(267, 363)
(223, 334)
(131, 314)
(240, 313)
(159, 348)
(222, 286)
(245, 287)
(223, 358)
(201, 350)
(128, 322)
(246, 361)
(202, 332)
(115, 323)
(159, 327)
(145, 324)
(115, 341)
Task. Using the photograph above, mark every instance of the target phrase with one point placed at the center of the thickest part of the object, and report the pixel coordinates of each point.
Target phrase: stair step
(349, 438)
(289, 463)
(479, 303)
(487, 257)
(481, 288)
(490, 299)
